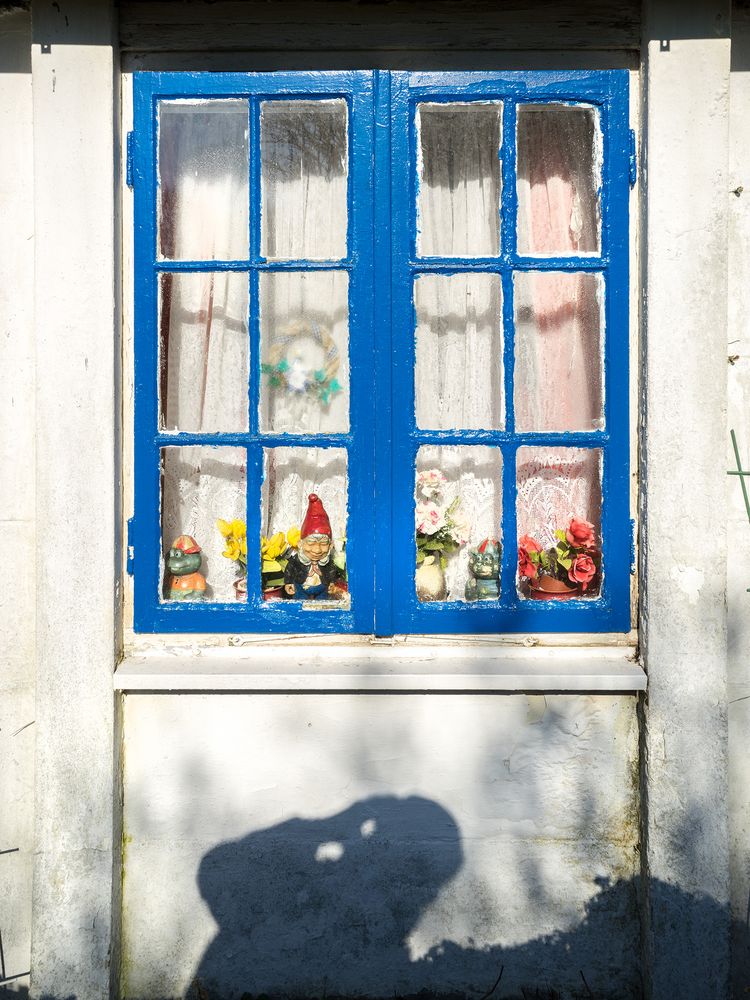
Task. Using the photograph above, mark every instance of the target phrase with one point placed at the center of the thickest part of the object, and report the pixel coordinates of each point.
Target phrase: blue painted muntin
(607, 91)
(387, 343)
(150, 613)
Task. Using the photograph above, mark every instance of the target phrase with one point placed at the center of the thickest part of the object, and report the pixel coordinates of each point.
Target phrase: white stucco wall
(74, 65)
(738, 575)
(686, 52)
(17, 499)
(491, 824)
(505, 827)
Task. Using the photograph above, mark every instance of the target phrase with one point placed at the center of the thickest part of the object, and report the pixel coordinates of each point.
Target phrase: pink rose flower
(430, 482)
(582, 571)
(429, 518)
(529, 543)
(581, 534)
(526, 545)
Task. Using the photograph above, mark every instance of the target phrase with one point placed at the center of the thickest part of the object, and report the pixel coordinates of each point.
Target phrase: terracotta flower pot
(273, 594)
(547, 588)
(240, 588)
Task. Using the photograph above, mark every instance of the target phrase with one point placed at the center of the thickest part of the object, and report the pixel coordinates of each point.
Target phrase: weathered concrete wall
(16, 497)
(738, 575)
(322, 845)
(76, 295)
(683, 607)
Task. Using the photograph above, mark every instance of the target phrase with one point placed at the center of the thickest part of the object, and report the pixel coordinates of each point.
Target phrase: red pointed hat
(316, 520)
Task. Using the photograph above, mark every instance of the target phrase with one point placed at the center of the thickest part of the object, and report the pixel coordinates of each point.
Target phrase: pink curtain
(559, 316)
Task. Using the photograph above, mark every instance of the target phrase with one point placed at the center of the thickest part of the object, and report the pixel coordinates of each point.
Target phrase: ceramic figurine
(311, 573)
(484, 566)
(183, 562)
(429, 580)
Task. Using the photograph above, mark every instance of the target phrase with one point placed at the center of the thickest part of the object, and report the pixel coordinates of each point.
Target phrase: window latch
(130, 564)
(129, 146)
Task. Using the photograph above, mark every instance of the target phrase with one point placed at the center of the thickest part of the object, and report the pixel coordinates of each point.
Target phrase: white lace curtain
(304, 318)
(203, 316)
(558, 357)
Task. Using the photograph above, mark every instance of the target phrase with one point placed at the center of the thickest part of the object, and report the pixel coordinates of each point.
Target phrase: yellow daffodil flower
(232, 550)
(234, 533)
(293, 536)
(272, 548)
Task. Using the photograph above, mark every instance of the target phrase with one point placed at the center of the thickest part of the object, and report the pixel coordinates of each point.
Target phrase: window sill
(425, 669)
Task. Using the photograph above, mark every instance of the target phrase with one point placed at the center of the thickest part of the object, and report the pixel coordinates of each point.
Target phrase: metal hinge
(130, 565)
(129, 146)
(632, 546)
(633, 159)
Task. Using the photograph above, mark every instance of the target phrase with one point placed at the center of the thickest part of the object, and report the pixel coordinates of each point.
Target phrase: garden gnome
(484, 567)
(311, 573)
(183, 562)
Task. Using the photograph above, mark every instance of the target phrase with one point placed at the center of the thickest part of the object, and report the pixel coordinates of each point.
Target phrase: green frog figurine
(183, 562)
(484, 566)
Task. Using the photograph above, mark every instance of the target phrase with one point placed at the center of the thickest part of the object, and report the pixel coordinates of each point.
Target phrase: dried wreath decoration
(286, 368)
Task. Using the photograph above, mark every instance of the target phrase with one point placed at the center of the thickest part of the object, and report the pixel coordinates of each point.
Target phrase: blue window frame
(382, 262)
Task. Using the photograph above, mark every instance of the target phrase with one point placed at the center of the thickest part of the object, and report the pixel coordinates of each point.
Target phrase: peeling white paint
(689, 580)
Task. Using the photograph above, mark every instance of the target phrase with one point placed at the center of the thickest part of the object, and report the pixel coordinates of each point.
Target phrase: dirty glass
(558, 515)
(304, 351)
(558, 179)
(203, 188)
(303, 527)
(559, 348)
(304, 162)
(203, 351)
(204, 548)
(458, 199)
(459, 351)
(458, 517)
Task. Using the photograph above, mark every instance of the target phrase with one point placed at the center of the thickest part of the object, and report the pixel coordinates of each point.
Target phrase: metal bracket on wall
(739, 471)
(129, 159)
(131, 549)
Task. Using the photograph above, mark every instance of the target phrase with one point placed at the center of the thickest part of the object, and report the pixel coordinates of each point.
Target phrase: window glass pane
(303, 524)
(304, 351)
(559, 179)
(303, 178)
(202, 560)
(458, 517)
(458, 209)
(559, 351)
(559, 490)
(203, 180)
(203, 351)
(459, 351)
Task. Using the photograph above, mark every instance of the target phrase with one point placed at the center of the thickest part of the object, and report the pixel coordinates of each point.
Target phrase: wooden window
(406, 295)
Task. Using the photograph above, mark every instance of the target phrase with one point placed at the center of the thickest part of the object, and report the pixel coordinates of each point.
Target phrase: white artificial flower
(296, 376)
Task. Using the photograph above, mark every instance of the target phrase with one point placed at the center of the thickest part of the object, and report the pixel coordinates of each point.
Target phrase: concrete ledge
(420, 668)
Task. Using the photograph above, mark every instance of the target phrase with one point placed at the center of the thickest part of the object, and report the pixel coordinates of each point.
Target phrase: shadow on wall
(324, 909)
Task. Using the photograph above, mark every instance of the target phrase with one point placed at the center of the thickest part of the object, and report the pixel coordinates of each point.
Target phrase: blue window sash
(255, 615)
(383, 439)
(608, 92)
